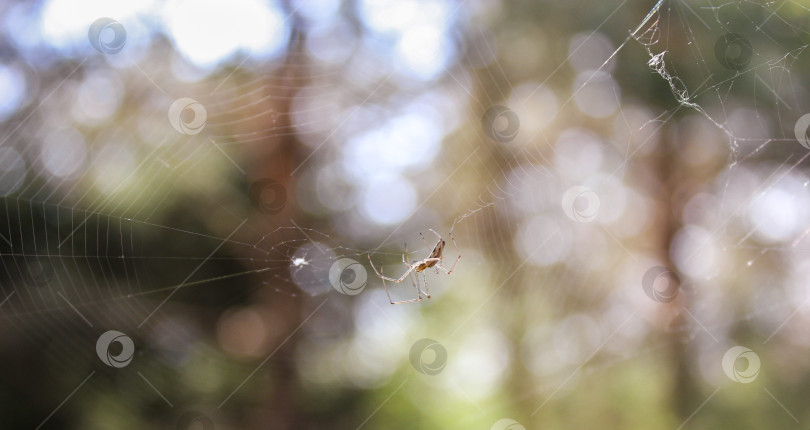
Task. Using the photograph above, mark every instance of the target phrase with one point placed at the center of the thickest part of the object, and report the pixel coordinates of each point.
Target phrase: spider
(433, 260)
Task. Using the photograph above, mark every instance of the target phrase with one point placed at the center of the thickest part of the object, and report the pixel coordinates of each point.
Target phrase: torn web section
(737, 67)
(732, 62)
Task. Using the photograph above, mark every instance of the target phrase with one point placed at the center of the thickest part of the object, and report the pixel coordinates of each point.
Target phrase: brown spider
(435, 260)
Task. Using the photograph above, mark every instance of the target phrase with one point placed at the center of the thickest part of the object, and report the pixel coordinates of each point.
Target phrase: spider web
(79, 261)
(76, 261)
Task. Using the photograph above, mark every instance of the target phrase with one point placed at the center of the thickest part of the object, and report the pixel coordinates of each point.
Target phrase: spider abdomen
(426, 265)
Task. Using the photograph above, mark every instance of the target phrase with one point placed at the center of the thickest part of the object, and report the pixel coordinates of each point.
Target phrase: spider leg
(389, 294)
(385, 286)
(425, 242)
(394, 280)
(415, 282)
(441, 257)
(405, 256)
(427, 288)
(440, 266)
(428, 246)
(386, 278)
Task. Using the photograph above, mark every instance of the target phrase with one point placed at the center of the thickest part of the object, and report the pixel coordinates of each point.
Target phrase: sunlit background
(194, 194)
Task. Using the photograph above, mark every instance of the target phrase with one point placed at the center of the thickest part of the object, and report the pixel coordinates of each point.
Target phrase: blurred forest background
(625, 180)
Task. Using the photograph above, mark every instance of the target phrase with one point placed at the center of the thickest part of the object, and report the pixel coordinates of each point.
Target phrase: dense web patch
(756, 47)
